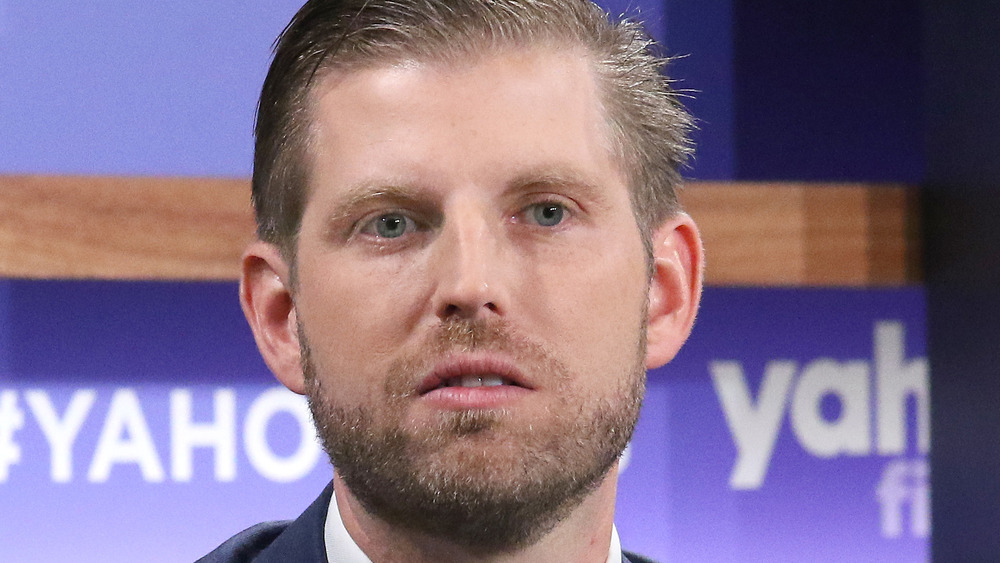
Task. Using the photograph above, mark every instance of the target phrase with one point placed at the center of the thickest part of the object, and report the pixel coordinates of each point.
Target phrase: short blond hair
(648, 124)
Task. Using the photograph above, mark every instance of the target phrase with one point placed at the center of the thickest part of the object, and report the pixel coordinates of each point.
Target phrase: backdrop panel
(137, 422)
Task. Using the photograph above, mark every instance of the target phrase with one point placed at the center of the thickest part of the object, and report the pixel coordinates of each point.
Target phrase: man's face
(471, 287)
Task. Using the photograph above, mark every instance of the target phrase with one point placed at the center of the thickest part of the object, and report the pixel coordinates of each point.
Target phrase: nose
(469, 269)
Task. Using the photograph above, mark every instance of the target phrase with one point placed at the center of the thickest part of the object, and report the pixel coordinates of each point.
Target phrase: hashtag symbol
(11, 420)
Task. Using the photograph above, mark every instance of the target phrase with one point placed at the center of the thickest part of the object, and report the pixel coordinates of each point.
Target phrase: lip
(474, 365)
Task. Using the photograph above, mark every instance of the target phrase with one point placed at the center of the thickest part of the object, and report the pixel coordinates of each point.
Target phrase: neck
(584, 535)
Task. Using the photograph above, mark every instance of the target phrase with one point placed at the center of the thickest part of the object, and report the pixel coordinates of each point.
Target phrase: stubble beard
(479, 479)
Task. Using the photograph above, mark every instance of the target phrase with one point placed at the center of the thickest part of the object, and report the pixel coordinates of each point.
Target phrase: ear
(675, 290)
(266, 296)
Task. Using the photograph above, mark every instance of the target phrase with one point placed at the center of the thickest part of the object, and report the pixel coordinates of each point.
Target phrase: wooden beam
(195, 228)
(123, 228)
(807, 234)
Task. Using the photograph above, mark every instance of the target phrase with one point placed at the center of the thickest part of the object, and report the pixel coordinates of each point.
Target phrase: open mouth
(471, 372)
(489, 380)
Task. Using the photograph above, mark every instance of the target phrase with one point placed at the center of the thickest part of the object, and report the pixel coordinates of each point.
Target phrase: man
(469, 253)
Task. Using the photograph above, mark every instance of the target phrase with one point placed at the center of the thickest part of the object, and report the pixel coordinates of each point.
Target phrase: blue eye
(392, 225)
(548, 214)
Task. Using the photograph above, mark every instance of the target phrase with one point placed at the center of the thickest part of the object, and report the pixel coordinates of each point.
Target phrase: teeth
(476, 381)
(492, 381)
(470, 381)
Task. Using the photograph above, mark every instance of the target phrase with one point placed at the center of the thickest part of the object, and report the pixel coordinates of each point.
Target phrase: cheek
(363, 296)
(355, 322)
(594, 314)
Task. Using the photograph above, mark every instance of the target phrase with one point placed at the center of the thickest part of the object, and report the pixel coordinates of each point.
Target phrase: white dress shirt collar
(341, 547)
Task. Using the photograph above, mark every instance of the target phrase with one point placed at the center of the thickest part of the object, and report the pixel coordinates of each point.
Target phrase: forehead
(508, 108)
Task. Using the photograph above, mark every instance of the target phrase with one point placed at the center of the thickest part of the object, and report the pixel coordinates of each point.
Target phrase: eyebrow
(364, 195)
(559, 178)
(371, 194)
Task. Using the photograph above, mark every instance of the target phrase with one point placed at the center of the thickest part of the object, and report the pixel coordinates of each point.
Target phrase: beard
(481, 479)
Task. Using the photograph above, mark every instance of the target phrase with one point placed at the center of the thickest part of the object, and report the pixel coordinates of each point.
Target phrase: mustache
(470, 335)
(464, 336)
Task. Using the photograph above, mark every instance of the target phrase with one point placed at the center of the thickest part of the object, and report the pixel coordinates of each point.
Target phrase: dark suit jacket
(299, 540)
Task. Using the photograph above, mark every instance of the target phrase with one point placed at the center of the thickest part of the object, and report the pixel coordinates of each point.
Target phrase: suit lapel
(303, 539)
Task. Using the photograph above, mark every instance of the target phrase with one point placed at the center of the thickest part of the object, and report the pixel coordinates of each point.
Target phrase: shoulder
(629, 557)
(247, 544)
(280, 541)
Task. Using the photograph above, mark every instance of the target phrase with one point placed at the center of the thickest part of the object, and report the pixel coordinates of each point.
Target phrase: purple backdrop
(142, 411)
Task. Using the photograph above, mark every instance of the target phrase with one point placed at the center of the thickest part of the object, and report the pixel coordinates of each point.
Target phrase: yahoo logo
(873, 397)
